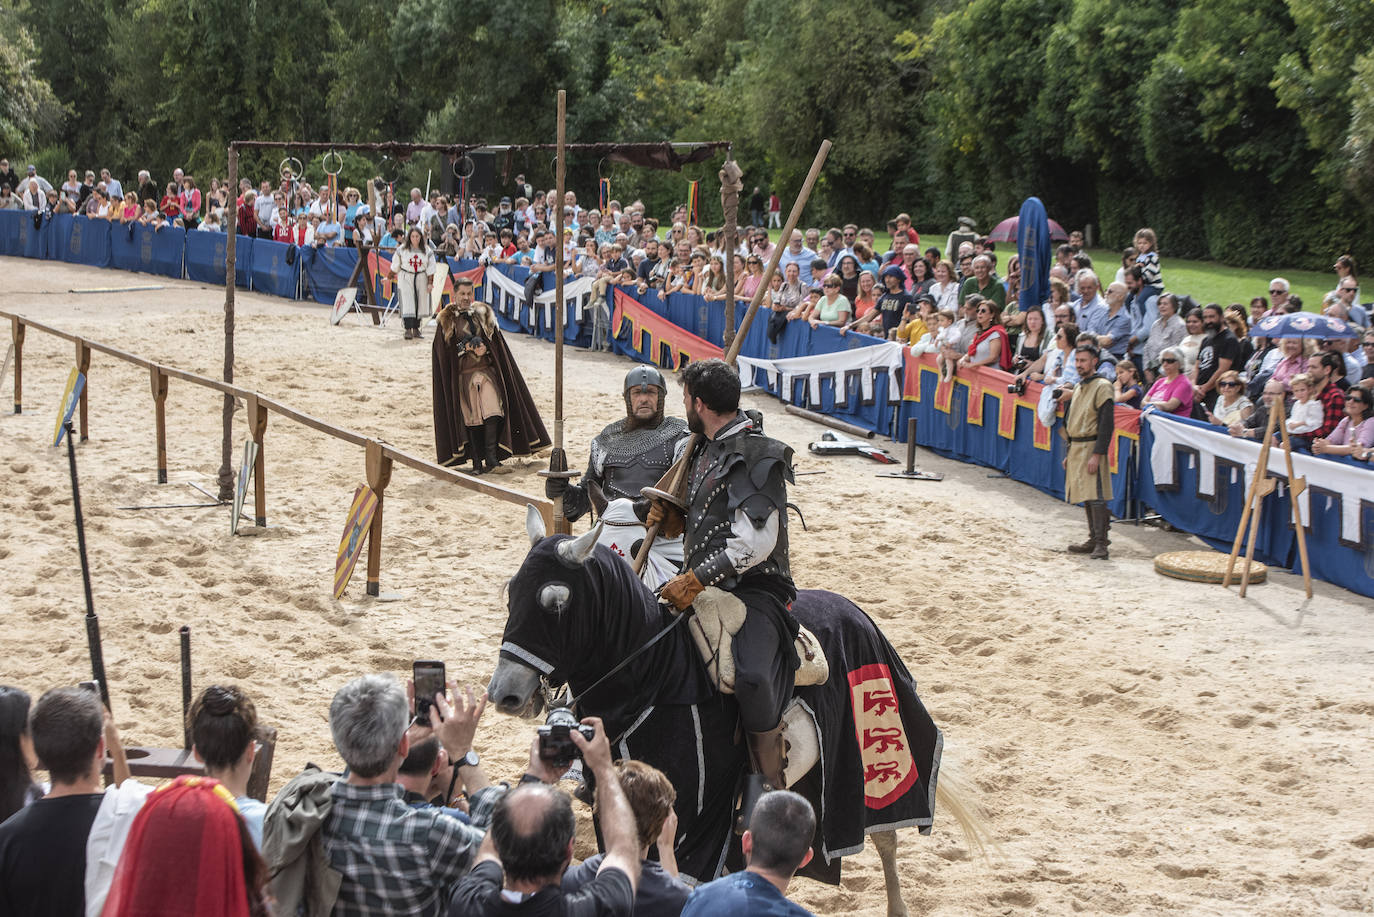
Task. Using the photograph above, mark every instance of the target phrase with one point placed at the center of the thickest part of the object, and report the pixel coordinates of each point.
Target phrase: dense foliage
(1233, 127)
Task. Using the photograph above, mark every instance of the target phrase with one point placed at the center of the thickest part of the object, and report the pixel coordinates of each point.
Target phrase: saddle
(719, 616)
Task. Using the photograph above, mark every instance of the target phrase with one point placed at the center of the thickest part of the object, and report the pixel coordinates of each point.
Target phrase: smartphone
(430, 679)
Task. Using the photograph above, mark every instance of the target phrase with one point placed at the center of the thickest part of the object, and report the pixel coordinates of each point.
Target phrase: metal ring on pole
(291, 168)
(324, 163)
(389, 169)
(471, 167)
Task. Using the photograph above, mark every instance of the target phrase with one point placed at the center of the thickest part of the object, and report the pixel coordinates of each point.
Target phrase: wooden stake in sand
(92, 621)
(558, 458)
(674, 483)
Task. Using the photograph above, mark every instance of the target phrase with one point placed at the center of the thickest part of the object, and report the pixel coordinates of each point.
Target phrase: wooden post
(17, 333)
(678, 474)
(83, 366)
(729, 177)
(378, 477)
(256, 413)
(1296, 486)
(226, 467)
(159, 382)
(558, 458)
(1261, 470)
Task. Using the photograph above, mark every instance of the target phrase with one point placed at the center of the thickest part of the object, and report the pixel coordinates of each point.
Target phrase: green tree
(73, 42)
(30, 113)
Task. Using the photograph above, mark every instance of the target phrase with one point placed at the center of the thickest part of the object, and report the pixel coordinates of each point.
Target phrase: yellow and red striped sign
(354, 536)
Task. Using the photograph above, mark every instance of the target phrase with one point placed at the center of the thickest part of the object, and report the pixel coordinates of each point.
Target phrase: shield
(250, 458)
(888, 767)
(71, 397)
(1305, 325)
(1005, 231)
(343, 302)
(360, 515)
(1036, 251)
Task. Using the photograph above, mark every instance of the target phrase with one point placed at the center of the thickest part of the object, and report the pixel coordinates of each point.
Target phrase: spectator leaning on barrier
(530, 844)
(776, 845)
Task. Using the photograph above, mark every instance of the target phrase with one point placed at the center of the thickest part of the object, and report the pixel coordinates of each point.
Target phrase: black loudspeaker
(482, 180)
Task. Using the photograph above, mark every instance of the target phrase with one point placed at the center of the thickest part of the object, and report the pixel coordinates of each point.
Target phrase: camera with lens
(1018, 387)
(1057, 393)
(555, 737)
(379, 184)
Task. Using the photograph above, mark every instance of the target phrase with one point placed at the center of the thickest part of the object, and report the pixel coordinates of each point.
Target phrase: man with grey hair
(394, 859)
(983, 283)
(1278, 296)
(1092, 310)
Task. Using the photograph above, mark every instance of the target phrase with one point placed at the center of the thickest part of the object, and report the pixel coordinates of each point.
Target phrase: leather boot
(476, 448)
(769, 751)
(491, 429)
(1088, 546)
(1102, 522)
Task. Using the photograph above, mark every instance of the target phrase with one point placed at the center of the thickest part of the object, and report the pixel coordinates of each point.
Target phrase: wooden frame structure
(379, 456)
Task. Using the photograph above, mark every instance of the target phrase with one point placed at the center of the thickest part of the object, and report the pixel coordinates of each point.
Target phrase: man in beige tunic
(1088, 426)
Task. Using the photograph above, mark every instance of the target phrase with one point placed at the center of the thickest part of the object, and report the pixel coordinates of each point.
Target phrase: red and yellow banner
(360, 514)
(889, 769)
(650, 332)
(981, 381)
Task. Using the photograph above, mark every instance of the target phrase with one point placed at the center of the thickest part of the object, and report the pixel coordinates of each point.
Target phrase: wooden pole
(731, 230)
(558, 457)
(83, 366)
(257, 427)
(17, 333)
(378, 477)
(1261, 469)
(1296, 486)
(226, 468)
(678, 474)
(159, 382)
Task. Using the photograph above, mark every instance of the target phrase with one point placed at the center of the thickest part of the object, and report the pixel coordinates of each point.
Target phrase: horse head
(554, 603)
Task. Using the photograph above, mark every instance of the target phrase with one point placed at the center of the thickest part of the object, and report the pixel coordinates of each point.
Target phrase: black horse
(577, 610)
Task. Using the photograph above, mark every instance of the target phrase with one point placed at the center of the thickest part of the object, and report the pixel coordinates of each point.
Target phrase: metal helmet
(645, 375)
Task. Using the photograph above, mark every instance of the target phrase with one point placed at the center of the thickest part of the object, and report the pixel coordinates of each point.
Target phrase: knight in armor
(736, 540)
(483, 411)
(627, 456)
(630, 454)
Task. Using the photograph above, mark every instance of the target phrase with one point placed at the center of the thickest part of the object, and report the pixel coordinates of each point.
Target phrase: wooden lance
(674, 483)
(558, 458)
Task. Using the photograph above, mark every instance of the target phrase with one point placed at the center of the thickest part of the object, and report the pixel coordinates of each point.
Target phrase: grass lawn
(1205, 281)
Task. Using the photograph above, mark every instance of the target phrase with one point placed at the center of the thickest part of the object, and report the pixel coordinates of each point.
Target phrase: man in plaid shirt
(1326, 370)
(395, 859)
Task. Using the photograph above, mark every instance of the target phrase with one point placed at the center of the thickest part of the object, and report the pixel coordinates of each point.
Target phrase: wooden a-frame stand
(1260, 487)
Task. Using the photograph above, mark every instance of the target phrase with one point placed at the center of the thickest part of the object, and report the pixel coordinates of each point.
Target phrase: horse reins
(682, 616)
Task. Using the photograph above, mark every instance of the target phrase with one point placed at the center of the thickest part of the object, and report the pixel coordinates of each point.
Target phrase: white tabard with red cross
(889, 769)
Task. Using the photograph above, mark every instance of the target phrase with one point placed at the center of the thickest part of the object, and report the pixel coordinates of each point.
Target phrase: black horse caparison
(577, 610)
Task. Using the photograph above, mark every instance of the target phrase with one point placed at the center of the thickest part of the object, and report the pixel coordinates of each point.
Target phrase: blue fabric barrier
(271, 272)
(1215, 520)
(205, 257)
(135, 247)
(327, 270)
(9, 232)
(59, 229)
(952, 435)
(33, 241)
(89, 242)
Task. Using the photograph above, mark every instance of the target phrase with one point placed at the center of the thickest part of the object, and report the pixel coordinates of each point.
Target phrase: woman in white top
(1192, 342)
(945, 289)
(412, 272)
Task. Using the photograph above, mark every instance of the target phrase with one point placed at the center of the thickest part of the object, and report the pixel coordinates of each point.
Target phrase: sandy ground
(1140, 745)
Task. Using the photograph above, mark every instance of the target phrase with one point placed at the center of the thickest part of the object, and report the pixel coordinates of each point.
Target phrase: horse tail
(954, 798)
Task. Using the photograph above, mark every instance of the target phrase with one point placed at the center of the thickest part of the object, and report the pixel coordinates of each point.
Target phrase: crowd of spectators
(411, 825)
(954, 302)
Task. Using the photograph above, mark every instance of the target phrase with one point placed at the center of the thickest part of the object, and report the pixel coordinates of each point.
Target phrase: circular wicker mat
(1206, 567)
